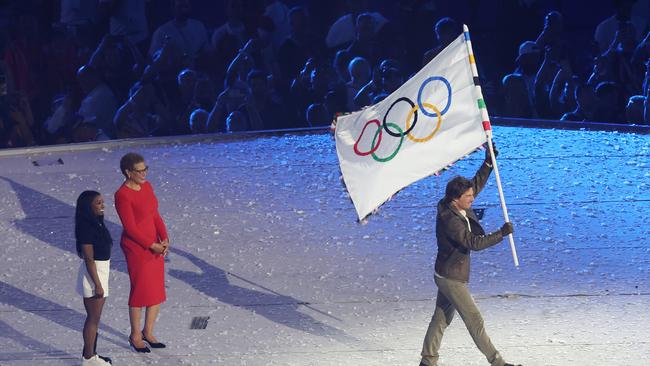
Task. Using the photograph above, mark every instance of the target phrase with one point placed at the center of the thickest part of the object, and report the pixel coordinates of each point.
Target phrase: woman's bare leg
(94, 308)
(149, 322)
(135, 314)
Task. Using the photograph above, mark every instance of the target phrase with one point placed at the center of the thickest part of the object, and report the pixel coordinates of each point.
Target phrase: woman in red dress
(145, 243)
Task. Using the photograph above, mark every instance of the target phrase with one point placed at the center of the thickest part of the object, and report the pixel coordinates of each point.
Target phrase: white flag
(427, 124)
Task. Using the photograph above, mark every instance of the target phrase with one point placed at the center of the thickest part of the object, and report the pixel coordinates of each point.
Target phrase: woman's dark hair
(128, 161)
(84, 215)
(456, 187)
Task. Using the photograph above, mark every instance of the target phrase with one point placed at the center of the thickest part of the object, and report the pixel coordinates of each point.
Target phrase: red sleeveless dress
(143, 226)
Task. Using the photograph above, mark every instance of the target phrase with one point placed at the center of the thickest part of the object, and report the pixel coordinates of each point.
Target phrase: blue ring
(424, 83)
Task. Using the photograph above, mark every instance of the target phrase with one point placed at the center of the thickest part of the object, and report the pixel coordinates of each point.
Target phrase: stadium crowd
(86, 70)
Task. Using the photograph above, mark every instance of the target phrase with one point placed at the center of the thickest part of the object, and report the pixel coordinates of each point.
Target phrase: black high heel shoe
(144, 349)
(154, 344)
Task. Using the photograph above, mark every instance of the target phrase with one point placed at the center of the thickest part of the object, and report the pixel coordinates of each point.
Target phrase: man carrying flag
(433, 120)
(458, 232)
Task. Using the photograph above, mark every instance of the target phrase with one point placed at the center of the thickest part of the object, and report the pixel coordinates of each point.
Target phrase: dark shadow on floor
(30, 348)
(278, 308)
(53, 312)
(51, 221)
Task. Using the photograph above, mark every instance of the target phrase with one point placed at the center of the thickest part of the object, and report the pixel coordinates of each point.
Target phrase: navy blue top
(94, 232)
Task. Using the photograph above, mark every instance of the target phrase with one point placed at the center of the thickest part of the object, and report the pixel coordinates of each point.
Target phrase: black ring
(415, 117)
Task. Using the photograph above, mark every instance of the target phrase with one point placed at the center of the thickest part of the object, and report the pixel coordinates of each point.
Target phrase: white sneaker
(93, 361)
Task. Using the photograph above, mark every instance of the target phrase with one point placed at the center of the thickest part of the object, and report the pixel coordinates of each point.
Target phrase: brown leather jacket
(455, 241)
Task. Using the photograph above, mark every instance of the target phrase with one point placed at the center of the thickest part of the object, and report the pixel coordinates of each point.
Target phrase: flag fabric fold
(431, 121)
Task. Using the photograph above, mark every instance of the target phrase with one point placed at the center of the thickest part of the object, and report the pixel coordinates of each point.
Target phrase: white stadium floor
(265, 244)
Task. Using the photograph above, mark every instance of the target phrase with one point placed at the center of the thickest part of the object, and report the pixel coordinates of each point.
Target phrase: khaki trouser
(454, 296)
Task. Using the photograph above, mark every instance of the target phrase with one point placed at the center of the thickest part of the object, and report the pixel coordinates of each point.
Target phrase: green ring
(391, 156)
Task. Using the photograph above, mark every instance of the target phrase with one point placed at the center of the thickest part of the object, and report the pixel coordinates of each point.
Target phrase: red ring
(356, 147)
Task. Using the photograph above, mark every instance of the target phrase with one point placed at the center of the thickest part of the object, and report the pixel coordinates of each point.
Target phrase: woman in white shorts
(94, 247)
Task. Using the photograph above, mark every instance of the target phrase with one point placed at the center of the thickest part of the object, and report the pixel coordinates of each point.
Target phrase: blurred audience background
(88, 70)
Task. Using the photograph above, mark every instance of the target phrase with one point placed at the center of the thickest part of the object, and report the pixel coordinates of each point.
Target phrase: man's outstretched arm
(483, 173)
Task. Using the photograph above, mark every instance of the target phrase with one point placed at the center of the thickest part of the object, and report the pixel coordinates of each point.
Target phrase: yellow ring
(430, 136)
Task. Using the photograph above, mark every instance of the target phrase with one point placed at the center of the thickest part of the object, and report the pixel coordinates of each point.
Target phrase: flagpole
(488, 133)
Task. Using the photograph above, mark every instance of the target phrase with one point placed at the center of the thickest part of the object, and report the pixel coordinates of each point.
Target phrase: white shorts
(85, 284)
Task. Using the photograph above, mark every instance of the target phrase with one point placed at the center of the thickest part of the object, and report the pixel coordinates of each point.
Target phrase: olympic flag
(434, 119)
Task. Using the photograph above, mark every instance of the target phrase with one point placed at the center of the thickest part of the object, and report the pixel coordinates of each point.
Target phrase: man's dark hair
(390, 72)
(456, 187)
(128, 161)
(297, 9)
(363, 16)
(255, 74)
(605, 88)
(581, 87)
(449, 26)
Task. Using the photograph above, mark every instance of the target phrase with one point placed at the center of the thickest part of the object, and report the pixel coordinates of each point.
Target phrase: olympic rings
(372, 150)
(421, 105)
(390, 127)
(401, 133)
(430, 136)
(391, 156)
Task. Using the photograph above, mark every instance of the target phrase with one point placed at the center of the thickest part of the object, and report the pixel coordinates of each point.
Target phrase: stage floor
(266, 244)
